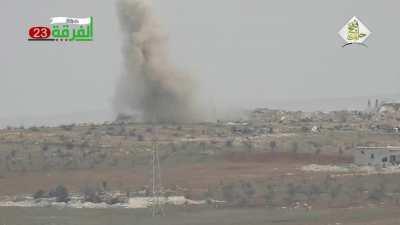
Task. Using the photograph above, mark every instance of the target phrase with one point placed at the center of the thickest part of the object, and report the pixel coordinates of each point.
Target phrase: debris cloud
(150, 87)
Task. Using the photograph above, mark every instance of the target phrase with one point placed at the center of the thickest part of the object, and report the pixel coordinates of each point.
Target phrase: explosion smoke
(150, 84)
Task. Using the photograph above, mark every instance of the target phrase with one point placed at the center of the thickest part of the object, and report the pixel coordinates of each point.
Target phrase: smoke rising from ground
(150, 85)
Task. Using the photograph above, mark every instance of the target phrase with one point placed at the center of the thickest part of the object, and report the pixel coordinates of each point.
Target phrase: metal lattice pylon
(157, 205)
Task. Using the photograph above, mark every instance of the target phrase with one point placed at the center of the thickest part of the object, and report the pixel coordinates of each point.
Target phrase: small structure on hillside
(377, 156)
(389, 107)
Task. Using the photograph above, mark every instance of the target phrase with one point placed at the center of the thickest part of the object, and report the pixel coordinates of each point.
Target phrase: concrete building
(390, 107)
(377, 156)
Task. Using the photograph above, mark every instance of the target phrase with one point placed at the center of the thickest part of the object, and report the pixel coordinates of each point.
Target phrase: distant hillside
(330, 104)
(55, 120)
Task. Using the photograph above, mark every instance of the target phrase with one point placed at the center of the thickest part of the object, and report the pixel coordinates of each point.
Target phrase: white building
(390, 107)
(377, 156)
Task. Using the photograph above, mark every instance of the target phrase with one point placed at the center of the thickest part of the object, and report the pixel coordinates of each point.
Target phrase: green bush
(60, 193)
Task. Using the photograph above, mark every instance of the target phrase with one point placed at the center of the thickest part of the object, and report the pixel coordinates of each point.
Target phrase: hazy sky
(242, 53)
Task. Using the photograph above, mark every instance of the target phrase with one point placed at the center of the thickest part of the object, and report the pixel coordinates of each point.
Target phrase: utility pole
(157, 208)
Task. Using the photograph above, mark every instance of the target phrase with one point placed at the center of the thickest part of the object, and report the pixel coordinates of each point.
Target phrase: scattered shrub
(91, 194)
(39, 194)
(140, 137)
(60, 193)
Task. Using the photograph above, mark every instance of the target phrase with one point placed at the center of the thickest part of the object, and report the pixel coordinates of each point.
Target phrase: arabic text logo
(354, 32)
(63, 29)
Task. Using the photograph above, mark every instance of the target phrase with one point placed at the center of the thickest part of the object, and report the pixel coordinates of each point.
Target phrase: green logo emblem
(354, 31)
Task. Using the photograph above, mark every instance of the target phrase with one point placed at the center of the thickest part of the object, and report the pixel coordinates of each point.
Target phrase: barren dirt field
(47, 216)
(195, 176)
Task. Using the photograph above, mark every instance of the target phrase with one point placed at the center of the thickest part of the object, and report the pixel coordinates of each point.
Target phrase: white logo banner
(69, 20)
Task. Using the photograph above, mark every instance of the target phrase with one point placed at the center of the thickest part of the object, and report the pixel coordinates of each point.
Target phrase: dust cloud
(151, 87)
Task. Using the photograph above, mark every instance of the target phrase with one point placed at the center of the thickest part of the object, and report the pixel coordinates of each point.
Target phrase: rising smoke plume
(150, 85)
